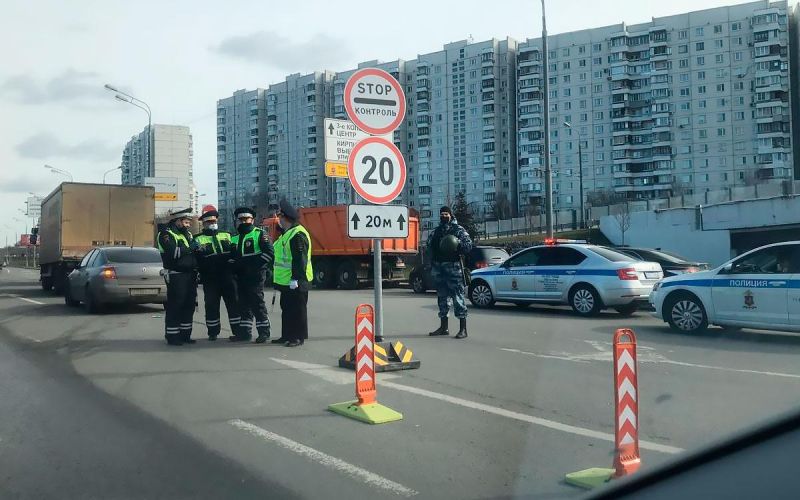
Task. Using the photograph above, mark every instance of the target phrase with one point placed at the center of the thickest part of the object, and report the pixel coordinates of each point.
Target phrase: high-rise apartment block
(161, 156)
(684, 103)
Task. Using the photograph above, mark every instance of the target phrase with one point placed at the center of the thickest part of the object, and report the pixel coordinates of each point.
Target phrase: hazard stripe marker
(366, 408)
(626, 417)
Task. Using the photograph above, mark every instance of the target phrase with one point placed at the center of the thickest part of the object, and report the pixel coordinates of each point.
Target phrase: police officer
(447, 245)
(252, 256)
(176, 244)
(292, 276)
(214, 249)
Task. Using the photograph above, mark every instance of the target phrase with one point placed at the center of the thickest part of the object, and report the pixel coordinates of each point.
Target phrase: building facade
(170, 170)
(241, 152)
(683, 104)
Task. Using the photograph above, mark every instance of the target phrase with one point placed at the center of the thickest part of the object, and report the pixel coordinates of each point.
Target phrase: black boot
(462, 328)
(262, 336)
(174, 340)
(442, 330)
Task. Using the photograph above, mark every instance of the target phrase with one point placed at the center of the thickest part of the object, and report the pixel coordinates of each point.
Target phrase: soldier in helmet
(447, 244)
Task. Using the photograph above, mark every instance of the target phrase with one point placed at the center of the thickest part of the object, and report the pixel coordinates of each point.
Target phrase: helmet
(449, 245)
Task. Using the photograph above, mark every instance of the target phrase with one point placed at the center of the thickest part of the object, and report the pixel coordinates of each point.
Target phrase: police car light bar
(555, 241)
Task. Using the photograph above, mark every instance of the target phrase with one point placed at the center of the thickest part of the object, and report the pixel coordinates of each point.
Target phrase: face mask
(444, 220)
(213, 227)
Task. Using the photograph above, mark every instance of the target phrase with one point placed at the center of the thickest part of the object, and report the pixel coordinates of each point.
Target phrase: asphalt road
(99, 406)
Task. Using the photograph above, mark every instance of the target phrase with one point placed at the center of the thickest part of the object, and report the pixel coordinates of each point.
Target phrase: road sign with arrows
(341, 136)
(377, 221)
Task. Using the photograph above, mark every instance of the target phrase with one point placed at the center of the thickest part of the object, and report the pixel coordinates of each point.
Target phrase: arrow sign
(330, 128)
(342, 137)
(378, 221)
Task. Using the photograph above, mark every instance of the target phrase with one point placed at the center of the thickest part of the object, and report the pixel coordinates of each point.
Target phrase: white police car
(587, 277)
(759, 289)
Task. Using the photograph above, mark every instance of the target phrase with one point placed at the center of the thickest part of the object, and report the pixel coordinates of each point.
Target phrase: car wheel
(685, 313)
(627, 309)
(585, 300)
(68, 300)
(346, 275)
(90, 302)
(480, 294)
(417, 283)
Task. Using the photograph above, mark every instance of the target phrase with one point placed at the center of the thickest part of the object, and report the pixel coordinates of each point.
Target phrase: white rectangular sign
(341, 136)
(166, 187)
(377, 221)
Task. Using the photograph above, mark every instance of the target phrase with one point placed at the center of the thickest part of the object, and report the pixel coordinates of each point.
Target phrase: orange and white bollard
(366, 408)
(626, 404)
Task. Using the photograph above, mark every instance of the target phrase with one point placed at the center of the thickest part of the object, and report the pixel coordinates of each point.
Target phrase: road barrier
(366, 408)
(389, 356)
(626, 417)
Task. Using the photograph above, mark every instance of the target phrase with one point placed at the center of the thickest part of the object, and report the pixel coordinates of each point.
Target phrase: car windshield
(132, 256)
(491, 253)
(611, 255)
(660, 255)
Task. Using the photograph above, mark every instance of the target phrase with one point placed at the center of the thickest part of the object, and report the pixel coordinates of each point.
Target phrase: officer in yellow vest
(214, 249)
(176, 244)
(252, 256)
(293, 276)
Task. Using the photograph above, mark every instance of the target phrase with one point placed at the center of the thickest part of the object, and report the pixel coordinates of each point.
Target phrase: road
(506, 413)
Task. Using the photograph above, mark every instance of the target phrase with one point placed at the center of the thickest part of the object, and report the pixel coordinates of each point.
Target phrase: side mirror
(727, 269)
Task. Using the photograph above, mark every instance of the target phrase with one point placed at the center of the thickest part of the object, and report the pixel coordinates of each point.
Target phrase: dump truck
(339, 261)
(77, 217)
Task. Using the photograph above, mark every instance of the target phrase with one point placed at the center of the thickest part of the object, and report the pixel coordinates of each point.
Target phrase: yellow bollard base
(589, 478)
(373, 413)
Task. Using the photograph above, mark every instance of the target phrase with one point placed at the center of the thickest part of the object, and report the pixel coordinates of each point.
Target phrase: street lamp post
(548, 172)
(580, 174)
(122, 96)
(108, 172)
(59, 171)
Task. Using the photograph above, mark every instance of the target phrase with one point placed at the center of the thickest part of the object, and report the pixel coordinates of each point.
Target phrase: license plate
(144, 291)
(652, 276)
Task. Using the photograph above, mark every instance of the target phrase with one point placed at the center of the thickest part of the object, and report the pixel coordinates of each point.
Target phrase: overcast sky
(181, 56)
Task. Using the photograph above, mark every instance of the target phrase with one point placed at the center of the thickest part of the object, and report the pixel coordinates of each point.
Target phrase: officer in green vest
(252, 256)
(176, 245)
(293, 276)
(214, 249)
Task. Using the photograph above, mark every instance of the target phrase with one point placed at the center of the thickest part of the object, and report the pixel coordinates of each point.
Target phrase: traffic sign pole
(378, 287)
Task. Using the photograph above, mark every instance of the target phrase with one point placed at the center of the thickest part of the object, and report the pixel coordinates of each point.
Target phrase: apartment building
(171, 171)
(685, 103)
(241, 152)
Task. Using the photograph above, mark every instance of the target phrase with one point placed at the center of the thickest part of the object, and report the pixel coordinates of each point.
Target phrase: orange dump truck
(344, 262)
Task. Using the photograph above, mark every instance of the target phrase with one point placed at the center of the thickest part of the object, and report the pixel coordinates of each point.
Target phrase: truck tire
(347, 275)
(324, 277)
(47, 284)
(417, 282)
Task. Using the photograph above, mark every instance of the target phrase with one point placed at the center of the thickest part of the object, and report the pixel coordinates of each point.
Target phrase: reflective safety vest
(215, 241)
(249, 242)
(178, 237)
(283, 257)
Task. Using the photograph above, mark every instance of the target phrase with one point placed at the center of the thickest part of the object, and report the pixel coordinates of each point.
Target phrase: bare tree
(501, 208)
(601, 197)
(622, 216)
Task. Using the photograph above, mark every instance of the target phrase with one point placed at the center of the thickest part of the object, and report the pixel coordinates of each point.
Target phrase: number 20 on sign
(377, 170)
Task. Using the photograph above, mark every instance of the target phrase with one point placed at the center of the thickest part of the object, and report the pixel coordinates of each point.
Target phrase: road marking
(325, 460)
(647, 355)
(13, 296)
(328, 373)
(550, 424)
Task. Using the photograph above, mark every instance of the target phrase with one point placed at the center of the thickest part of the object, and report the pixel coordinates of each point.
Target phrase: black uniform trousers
(294, 314)
(181, 299)
(251, 304)
(216, 287)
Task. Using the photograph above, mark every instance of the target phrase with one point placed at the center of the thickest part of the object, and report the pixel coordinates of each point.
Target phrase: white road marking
(647, 355)
(550, 424)
(355, 472)
(329, 373)
(13, 296)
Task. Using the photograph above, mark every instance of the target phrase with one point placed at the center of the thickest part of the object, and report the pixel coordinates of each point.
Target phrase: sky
(180, 56)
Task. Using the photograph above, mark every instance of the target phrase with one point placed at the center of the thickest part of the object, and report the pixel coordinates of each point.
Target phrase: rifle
(464, 272)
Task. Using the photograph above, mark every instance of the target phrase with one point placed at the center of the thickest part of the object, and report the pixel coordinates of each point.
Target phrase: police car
(759, 289)
(587, 277)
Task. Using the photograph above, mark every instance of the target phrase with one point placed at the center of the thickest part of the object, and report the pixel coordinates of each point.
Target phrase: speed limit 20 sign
(377, 170)
(374, 101)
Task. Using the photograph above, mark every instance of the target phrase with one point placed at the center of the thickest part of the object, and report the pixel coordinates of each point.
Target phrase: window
(720, 132)
(598, 115)
(525, 259)
(720, 117)
(565, 52)
(93, 260)
(701, 89)
(701, 75)
(566, 78)
(598, 87)
(701, 119)
(736, 26)
(700, 46)
(719, 59)
(133, 256)
(682, 49)
(597, 60)
(782, 259)
(718, 44)
(597, 47)
(567, 92)
(701, 104)
(86, 258)
(684, 92)
(737, 56)
(683, 63)
(683, 34)
(701, 61)
(598, 101)
(698, 31)
(560, 256)
(565, 65)
(684, 77)
(702, 134)
(718, 28)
